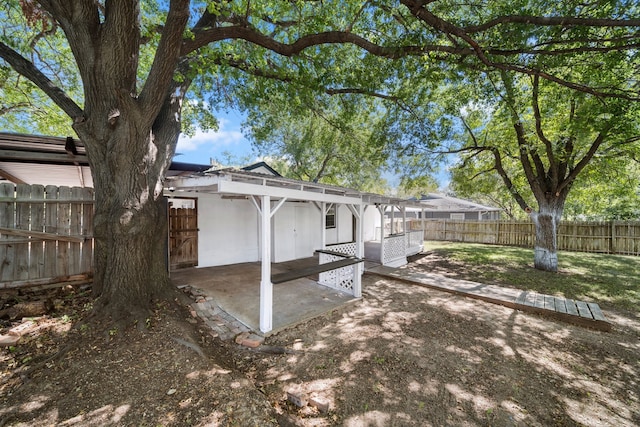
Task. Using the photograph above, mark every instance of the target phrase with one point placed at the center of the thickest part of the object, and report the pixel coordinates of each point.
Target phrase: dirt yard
(401, 356)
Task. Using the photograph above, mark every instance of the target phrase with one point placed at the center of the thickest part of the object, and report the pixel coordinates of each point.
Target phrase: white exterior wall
(296, 231)
(370, 223)
(343, 231)
(229, 232)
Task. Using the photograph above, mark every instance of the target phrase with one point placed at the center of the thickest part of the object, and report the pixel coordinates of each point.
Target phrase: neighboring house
(437, 206)
(447, 207)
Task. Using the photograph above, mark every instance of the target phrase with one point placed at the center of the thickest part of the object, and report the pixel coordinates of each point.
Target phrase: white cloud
(209, 140)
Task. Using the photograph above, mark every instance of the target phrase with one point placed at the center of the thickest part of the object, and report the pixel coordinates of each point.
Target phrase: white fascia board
(194, 181)
(198, 184)
(233, 187)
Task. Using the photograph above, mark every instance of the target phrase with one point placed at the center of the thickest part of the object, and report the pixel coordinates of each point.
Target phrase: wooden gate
(183, 233)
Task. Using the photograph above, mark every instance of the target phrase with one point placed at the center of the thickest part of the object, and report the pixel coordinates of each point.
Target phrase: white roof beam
(234, 187)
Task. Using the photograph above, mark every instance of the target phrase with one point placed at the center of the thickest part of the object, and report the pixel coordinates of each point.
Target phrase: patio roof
(247, 183)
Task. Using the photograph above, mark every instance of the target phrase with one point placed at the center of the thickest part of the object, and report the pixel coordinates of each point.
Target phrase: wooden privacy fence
(45, 234)
(612, 237)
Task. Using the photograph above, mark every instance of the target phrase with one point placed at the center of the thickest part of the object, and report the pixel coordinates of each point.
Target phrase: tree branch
(507, 180)
(523, 147)
(560, 21)
(419, 11)
(251, 35)
(80, 21)
(27, 69)
(585, 159)
(167, 55)
(250, 69)
(538, 120)
(320, 173)
(9, 108)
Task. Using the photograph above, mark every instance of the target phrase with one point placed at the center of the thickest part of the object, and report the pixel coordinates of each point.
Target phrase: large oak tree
(539, 140)
(137, 62)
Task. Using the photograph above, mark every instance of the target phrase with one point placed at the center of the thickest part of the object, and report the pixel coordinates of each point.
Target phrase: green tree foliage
(333, 144)
(25, 108)
(608, 190)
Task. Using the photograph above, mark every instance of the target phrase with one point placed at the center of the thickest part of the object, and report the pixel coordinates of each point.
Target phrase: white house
(245, 216)
(231, 216)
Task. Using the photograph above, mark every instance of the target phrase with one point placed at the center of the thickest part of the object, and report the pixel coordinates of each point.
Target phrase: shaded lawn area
(609, 280)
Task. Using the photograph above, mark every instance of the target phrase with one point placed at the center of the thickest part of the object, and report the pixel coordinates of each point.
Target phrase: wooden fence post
(612, 240)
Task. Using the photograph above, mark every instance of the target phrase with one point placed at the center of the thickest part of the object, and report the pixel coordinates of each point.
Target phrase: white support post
(381, 208)
(357, 269)
(404, 219)
(266, 287)
(393, 227)
(323, 226)
(358, 213)
(422, 224)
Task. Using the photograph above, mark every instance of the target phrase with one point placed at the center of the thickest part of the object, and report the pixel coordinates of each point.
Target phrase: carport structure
(340, 265)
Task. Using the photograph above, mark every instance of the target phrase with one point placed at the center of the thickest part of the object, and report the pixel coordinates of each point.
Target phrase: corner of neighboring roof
(188, 167)
(255, 166)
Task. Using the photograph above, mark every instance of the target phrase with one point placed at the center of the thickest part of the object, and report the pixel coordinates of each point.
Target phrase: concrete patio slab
(236, 290)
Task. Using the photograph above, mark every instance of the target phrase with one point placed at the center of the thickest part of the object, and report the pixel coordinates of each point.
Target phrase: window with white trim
(330, 217)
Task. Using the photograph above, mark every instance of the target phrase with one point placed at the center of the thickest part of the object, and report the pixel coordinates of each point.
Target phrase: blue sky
(203, 146)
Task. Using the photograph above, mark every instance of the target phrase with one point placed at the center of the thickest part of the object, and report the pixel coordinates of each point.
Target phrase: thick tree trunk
(130, 225)
(130, 257)
(546, 222)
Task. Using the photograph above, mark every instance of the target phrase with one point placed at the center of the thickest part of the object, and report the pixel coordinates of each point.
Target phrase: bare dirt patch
(174, 374)
(401, 356)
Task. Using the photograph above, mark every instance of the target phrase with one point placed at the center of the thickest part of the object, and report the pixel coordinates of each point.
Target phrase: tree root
(10, 416)
(25, 375)
(192, 346)
(271, 349)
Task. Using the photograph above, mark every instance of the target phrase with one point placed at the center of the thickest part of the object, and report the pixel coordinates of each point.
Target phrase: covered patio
(249, 223)
(234, 289)
(267, 195)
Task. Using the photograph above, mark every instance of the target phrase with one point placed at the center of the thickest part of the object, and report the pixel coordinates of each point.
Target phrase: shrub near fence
(612, 237)
(45, 234)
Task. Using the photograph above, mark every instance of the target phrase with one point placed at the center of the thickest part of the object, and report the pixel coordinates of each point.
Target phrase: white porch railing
(340, 278)
(394, 250)
(415, 241)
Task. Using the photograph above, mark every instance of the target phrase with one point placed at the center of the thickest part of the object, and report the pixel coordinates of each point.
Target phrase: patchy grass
(610, 280)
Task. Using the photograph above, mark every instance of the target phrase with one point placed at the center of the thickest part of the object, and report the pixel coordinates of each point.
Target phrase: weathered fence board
(86, 261)
(614, 237)
(36, 248)
(7, 219)
(23, 212)
(50, 226)
(45, 234)
(64, 216)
